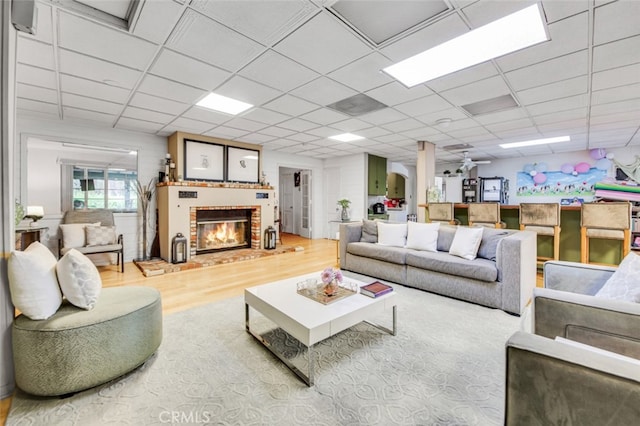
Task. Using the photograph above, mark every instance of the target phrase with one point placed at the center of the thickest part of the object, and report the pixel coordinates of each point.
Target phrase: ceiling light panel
(534, 142)
(509, 34)
(381, 20)
(346, 137)
(223, 104)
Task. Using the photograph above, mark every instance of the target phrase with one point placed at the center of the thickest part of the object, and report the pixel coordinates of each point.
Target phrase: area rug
(445, 367)
(159, 266)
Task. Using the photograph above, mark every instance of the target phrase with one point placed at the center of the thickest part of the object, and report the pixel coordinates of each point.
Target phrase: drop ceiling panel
(265, 116)
(437, 33)
(561, 89)
(81, 86)
(244, 124)
(424, 105)
(263, 21)
(36, 106)
(616, 54)
(83, 36)
(616, 94)
(323, 91)
(432, 117)
(557, 10)
(35, 76)
(480, 90)
(83, 114)
(422, 133)
(247, 91)
(184, 69)
(204, 39)
(44, 27)
(563, 41)
(277, 71)
(616, 21)
(146, 115)
(500, 116)
(616, 107)
(36, 93)
(385, 115)
(164, 88)
(303, 137)
(226, 132)
(91, 104)
(403, 125)
(155, 103)
(557, 69)
(290, 105)
(364, 74)
(616, 77)
(563, 104)
(277, 132)
(298, 125)
(395, 93)
(351, 125)
(580, 113)
(72, 63)
(257, 138)
(206, 115)
(337, 46)
(156, 20)
(138, 125)
(195, 125)
(373, 132)
(324, 116)
(34, 53)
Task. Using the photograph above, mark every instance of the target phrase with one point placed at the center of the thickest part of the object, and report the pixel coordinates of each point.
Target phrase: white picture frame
(203, 161)
(243, 165)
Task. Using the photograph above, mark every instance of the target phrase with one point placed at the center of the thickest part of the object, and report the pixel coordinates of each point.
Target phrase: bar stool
(441, 212)
(610, 221)
(485, 214)
(544, 220)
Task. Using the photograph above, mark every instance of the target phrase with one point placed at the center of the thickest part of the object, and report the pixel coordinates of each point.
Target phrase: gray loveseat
(503, 279)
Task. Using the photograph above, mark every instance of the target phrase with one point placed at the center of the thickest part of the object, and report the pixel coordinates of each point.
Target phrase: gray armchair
(548, 382)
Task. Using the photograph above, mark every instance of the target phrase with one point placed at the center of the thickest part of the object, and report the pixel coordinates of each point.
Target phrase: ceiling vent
(491, 105)
(458, 147)
(380, 21)
(357, 105)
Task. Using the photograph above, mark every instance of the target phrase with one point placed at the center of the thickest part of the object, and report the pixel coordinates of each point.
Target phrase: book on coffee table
(375, 289)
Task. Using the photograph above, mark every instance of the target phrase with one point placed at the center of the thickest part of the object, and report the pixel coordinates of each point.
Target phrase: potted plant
(344, 203)
(446, 173)
(459, 172)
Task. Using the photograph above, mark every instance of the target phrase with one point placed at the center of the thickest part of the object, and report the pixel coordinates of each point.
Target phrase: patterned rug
(159, 266)
(445, 367)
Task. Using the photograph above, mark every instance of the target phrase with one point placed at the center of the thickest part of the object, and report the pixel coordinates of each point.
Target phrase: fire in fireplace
(222, 230)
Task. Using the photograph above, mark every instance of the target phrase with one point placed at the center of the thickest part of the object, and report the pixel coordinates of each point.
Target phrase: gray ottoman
(77, 349)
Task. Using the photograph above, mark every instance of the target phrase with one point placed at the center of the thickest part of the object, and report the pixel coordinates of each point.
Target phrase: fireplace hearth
(218, 230)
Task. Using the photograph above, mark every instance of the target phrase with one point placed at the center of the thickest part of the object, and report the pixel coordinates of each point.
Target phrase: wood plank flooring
(188, 289)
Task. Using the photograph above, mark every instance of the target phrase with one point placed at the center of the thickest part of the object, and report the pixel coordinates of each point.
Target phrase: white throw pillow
(33, 283)
(73, 234)
(466, 242)
(100, 235)
(392, 234)
(79, 279)
(422, 236)
(624, 284)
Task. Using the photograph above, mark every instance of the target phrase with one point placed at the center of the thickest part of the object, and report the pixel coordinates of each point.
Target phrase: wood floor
(185, 290)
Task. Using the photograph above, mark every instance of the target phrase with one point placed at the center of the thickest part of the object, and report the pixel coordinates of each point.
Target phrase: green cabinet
(377, 184)
(395, 186)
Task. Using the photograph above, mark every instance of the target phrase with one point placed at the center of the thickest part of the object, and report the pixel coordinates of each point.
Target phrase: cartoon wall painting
(559, 184)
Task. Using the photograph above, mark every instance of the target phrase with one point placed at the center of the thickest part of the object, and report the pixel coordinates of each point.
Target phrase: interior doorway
(295, 200)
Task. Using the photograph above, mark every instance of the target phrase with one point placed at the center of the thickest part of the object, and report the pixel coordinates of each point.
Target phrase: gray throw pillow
(369, 231)
(445, 237)
(489, 244)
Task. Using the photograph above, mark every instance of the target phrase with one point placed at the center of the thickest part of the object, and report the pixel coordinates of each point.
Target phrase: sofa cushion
(73, 234)
(445, 237)
(624, 284)
(379, 252)
(369, 231)
(33, 282)
(466, 242)
(422, 236)
(477, 269)
(392, 234)
(489, 244)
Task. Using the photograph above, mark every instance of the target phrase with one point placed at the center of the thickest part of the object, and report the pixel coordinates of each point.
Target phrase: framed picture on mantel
(203, 161)
(242, 165)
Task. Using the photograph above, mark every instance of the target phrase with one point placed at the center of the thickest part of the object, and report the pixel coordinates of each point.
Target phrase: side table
(26, 235)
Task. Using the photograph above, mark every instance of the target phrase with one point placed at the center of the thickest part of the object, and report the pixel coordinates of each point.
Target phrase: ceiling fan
(468, 163)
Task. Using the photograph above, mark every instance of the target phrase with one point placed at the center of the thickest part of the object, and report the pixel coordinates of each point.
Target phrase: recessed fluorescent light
(513, 32)
(223, 104)
(346, 137)
(536, 142)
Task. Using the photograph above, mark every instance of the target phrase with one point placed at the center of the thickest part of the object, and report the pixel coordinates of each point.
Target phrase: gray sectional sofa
(502, 276)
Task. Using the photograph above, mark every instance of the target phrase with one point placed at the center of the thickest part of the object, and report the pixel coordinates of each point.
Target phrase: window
(100, 188)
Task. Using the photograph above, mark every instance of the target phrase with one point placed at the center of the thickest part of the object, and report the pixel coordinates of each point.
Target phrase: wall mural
(560, 184)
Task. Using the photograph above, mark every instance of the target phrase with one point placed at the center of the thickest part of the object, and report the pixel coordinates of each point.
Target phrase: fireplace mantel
(177, 201)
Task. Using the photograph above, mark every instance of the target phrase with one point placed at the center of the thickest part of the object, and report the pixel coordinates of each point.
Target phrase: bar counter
(604, 251)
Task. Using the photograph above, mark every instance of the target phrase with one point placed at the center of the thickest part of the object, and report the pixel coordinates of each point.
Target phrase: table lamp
(35, 213)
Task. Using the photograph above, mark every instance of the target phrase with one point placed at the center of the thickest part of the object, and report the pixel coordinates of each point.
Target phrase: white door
(286, 203)
(307, 205)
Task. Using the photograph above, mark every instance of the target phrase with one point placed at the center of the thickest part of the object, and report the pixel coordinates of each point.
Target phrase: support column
(7, 120)
(425, 174)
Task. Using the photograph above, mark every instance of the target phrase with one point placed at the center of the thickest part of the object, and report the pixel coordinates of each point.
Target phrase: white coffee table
(309, 321)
